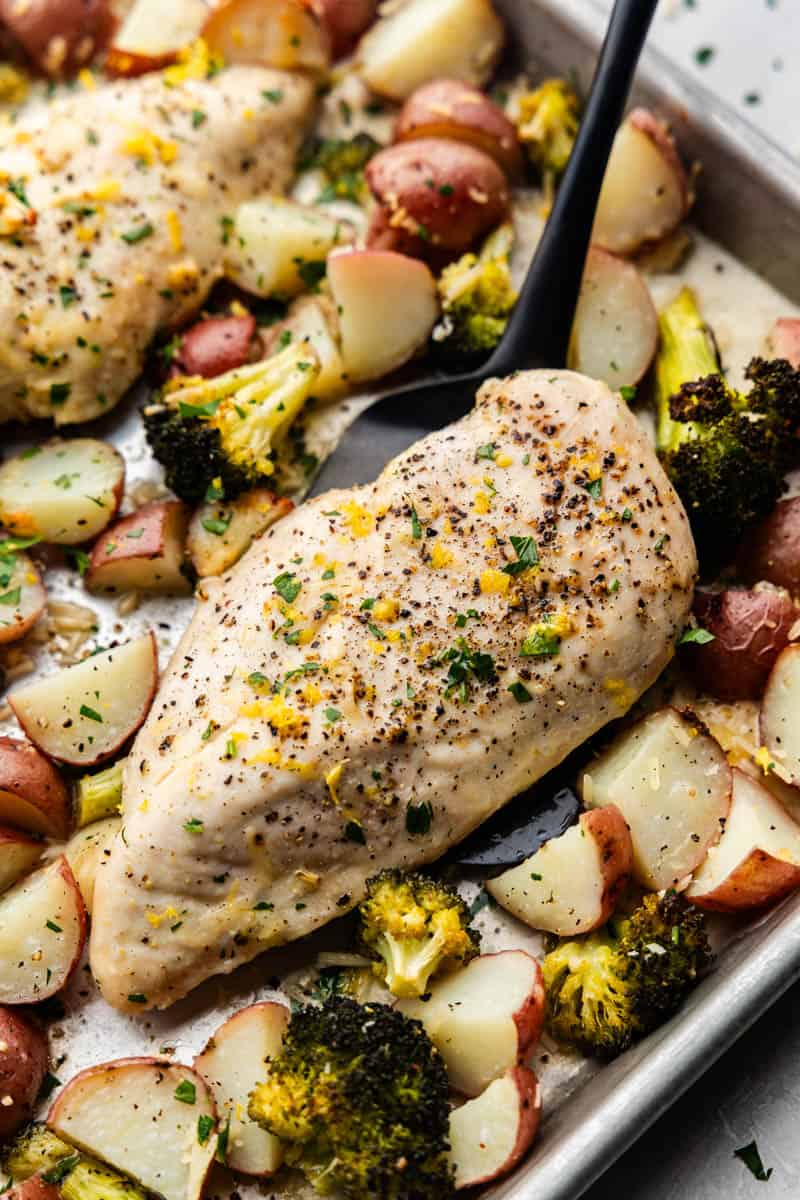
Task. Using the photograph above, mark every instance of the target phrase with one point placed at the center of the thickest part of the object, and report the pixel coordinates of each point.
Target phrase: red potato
(571, 884)
(33, 1188)
(216, 345)
(66, 491)
(273, 33)
(615, 332)
(771, 551)
(24, 1058)
(646, 192)
(483, 1017)
(220, 532)
(448, 108)
(672, 784)
(33, 796)
(59, 36)
(42, 934)
(140, 1115)
(85, 714)
(778, 723)
(232, 1064)
(22, 598)
(143, 552)
(750, 629)
(757, 859)
(344, 21)
(18, 854)
(784, 340)
(152, 34)
(448, 193)
(490, 1134)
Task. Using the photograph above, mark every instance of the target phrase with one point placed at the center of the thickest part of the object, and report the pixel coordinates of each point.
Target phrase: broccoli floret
(342, 160)
(726, 452)
(34, 1149)
(614, 986)
(360, 1097)
(37, 1151)
(547, 121)
(229, 428)
(99, 795)
(477, 297)
(414, 925)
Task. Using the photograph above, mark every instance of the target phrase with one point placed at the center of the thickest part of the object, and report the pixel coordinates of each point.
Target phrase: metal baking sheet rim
(606, 1115)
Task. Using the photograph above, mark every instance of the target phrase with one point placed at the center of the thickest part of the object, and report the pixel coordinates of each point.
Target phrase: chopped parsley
(595, 488)
(751, 1158)
(204, 1126)
(465, 665)
(11, 598)
(17, 188)
(691, 634)
(332, 715)
(416, 527)
(520, 693)
(90, 713)
(311, 272)
(487, 451)
(354, 832)
(217, 525)
(58, 1173)
(288, 586)
(132, 236)
(541, 642)
(137, 998)
(527, 556)
(186, 1092)
(59, 393)
(273, 95)
(198, 118)
(68, 295)
(418, 817)
(193, 825)
(53, 927)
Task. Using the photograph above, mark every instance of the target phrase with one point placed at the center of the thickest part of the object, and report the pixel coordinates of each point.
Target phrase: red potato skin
(59, 36)
(449, 190)
(658, 132)
(530, 1018)
(283, 1012)
(785, 340)
(771, 551)
(610, 830)
(83, 928)
(216, 345)
(530, 1115)
(12, 633)
(33, 796)
(58, 1104)
(34, 1189)
(24, 1058)
(448, 108)
(12, 840)
(122, 64)
(343, 20)
(118, 543)
(750, 629)
(759, 879)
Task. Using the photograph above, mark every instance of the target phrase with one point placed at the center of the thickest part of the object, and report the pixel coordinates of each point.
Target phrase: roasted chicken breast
(116, 205)
(384, 669)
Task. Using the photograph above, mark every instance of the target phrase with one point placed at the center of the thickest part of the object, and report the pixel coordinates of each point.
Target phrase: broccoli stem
(99, 795)
(686, 352)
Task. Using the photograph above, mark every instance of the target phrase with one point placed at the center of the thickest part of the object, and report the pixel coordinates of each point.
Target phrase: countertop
(748, 51)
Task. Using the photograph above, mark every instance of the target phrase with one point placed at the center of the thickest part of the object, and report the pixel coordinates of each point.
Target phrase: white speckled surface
(754, 1091)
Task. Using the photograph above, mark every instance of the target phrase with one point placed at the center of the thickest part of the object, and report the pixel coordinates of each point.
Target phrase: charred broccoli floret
(359, 1096)
(547, 121)
(412, 926)
(726, 452)
(229, 428)
(37, 1151)
(477, 297)
(612, 987)
(342, 161)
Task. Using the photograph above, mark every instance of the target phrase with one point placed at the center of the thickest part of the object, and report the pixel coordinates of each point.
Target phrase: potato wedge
(217, 344)
(143, 552)
(780, 710)
(344, 21)
(784, 340)
(24, 1056)
(233, 1062)
(771, 550)
(672, 783)
(220, 532)
(150, 1119)
(430, 39)
(279, 247)
(152, 34)
(646, 192)
(33, 796)
(87, 851)
(449, 108)
(272, 33)
(18, 855)
(570, 885)
(59, 36)
(63, 491)
(42, 934)
(84, 714)
(22, 595)
(490, 1134)
(314, 319)
(483, 1017)
(757, 859)
(615, 333)
(749, 628)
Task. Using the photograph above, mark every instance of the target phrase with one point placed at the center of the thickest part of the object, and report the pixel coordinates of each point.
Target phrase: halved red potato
(672, 783)
(445, 193)
(490, 1134)
(771, 551)
(780, 713)
(344, 21)
(85, 714)
(63, 491)
(646, 191)
(24, 1057)
(220, 532)
(750, 628)
(152, 34)
(450, 108)
(18, 854)
(483, 1017)
(87, 851)
(387, 305)
(784, 340)
(232, 1064)
(215, 345)
(33, 796)
(615, 332)
(430, 39)
(22, 597)
(278, 245)
(33, 1188)
(153, 1120)
(272, 33)
(571, 884)
(59, 36)
(314, 319)
(757, 859)
(143, 552)
(42, 934)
